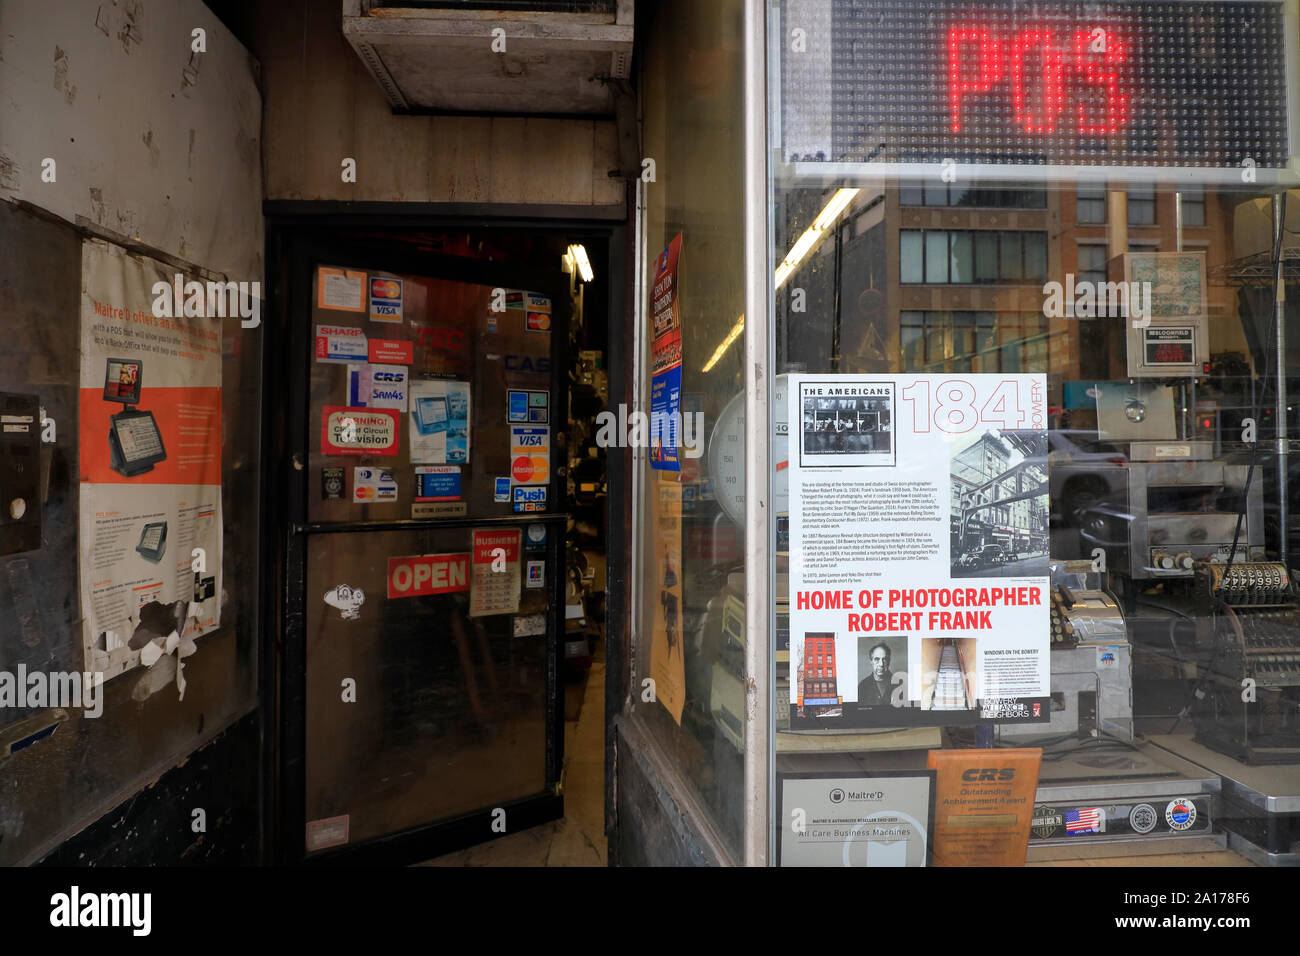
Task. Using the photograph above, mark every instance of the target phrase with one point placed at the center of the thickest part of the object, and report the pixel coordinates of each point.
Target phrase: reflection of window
(1092, 263)
(973, 342)
(1142, 206)
(974, 196)
(1193, 205)
(963, 257)
(1092, 204)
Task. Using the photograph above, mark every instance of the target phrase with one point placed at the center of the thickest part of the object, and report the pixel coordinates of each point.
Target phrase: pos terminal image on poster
(134, 442)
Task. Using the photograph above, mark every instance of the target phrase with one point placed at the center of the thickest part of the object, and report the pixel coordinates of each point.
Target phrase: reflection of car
(1081, 472)
(992, 555)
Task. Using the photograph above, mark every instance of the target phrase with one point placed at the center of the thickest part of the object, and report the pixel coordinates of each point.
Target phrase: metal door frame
(298, 236)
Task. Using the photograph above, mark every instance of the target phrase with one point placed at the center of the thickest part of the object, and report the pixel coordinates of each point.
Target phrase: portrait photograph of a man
(882, 668)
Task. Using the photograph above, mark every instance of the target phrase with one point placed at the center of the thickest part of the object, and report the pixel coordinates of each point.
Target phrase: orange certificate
(984, 802)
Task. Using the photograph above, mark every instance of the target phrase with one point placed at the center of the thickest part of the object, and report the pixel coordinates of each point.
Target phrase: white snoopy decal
(347, 599)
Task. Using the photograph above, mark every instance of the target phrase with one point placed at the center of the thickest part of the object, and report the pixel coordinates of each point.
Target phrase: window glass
(936, 256)
(911, 256)
(1141, 205)
(1146, 475)
(1091, 204)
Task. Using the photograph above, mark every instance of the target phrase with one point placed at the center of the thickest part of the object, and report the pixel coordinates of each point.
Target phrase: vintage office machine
(134, 443)
(1248, 635)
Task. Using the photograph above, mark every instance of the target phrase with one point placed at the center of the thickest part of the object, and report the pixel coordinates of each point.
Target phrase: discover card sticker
(918, 548)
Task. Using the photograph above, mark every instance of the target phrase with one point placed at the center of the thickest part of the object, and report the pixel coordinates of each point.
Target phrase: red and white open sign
(422, 574)
(358, 431)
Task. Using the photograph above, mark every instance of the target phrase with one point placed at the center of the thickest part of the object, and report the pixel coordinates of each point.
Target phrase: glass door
(424, 565)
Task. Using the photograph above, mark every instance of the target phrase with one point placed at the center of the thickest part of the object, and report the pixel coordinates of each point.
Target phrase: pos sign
(423, 574)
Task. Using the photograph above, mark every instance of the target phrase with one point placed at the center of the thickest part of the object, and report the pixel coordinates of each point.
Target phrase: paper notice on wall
(494, 572)
(667, 661)
(149, 445)
(440, 418)
(918, 548)
(344, 290)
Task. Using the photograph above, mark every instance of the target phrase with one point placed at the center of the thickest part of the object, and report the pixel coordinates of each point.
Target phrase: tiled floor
(579, 838)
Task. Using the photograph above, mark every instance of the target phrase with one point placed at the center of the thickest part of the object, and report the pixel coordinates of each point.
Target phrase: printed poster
(149, 444)
(439, 422)
(667, 662)
(666, 362)
(919, 590)
(494, 572)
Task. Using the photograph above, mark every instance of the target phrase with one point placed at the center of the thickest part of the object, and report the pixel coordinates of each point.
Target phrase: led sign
(1116, 84)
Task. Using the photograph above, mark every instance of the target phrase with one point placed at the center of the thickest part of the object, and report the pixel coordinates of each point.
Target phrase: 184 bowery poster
(918, 549)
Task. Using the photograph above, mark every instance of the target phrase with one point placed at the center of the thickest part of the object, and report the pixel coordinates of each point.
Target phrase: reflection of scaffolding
(1259, 269)
(950, 682)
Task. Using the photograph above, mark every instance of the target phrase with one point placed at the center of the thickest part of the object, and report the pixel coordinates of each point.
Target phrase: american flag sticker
(1085, 820)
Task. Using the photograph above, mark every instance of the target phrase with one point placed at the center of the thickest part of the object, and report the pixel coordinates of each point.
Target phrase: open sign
(425, 574)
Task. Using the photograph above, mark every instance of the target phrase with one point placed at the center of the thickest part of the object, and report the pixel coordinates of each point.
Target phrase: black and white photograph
(999, 510)
(882, 671)
(847, 430)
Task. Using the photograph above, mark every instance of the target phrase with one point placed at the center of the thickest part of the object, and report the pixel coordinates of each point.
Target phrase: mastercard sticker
(385, 300)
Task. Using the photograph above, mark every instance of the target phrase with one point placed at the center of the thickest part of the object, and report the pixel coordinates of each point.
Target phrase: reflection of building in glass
(817, 683)
(1000, 501)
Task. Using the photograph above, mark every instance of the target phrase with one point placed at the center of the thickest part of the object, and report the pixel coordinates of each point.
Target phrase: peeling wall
(323, 106)
(149, 139)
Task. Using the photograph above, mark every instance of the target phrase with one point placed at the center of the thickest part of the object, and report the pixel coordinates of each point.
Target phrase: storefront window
(689, 628)
(1041, 486)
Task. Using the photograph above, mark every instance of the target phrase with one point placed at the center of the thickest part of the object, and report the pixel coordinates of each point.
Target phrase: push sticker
(528, 499)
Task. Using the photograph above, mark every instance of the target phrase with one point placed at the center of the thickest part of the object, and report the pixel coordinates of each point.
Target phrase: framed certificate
(883, 818)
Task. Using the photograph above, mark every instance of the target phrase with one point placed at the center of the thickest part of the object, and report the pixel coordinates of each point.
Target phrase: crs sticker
(1180, 814)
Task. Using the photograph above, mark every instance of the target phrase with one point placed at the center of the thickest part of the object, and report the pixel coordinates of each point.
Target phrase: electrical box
(20, 473)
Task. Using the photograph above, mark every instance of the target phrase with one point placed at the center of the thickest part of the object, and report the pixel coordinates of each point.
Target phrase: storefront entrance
(422, 520)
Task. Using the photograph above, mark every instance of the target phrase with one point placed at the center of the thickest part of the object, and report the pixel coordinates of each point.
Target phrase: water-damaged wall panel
(148, 137)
